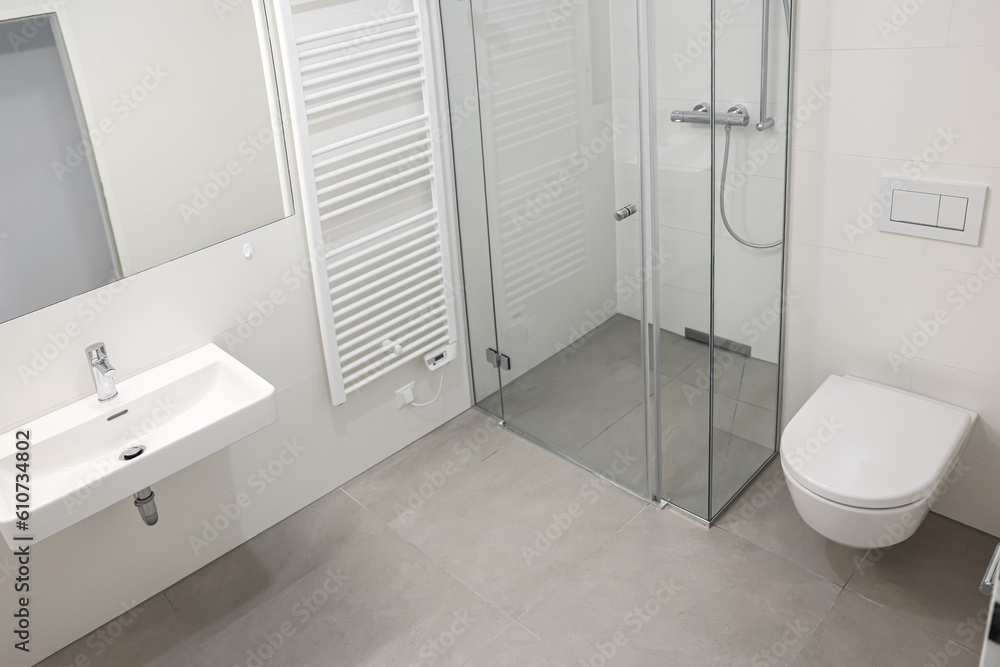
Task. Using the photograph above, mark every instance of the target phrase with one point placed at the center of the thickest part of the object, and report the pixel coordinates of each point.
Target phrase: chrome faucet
(102, 371)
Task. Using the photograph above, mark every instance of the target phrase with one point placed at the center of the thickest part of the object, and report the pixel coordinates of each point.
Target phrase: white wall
(900, 83)
(263, 313)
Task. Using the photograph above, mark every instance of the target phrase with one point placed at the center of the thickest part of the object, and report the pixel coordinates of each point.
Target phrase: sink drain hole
(132, 452)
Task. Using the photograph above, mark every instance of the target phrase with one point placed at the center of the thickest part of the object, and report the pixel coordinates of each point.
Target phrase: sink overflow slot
(132, 452)
(117, 415)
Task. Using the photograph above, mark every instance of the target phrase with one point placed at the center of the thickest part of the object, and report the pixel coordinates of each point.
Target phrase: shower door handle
(623, 213)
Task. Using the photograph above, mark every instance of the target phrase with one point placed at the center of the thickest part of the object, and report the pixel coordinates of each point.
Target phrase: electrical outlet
(404, 396)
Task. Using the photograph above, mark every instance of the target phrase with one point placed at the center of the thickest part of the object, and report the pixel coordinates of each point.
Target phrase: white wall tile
(912, 86)
(974, 22)
(872, 24)
(972, 392)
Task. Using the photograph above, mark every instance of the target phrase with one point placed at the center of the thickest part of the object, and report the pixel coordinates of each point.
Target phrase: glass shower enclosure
(621, 179)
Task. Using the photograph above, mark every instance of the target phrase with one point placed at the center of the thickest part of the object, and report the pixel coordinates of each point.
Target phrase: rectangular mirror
(131, 134)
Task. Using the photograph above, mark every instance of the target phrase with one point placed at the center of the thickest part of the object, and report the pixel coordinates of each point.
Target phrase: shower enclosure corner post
(790, 14)
(648, 112)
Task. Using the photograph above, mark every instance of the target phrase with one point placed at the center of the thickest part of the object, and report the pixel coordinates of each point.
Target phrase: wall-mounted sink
(89, 455)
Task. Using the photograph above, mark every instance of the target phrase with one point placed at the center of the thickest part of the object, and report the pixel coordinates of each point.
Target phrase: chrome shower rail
(766, 121)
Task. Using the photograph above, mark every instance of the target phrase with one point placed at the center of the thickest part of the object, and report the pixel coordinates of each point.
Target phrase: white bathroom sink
(180, 412)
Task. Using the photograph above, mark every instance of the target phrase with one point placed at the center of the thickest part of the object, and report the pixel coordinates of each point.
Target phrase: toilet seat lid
(866, 445)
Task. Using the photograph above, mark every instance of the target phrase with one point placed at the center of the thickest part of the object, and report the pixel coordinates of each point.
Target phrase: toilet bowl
(865, 462)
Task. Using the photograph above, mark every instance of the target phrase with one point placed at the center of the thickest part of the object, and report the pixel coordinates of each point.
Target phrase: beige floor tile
(666, 591)
(401, 485)
(764, 514)
(573, 409)
(932, 579)
(378, 601)
(860, 633)
(151, 634)
(256, 571)
(517, 646)
(514, 526)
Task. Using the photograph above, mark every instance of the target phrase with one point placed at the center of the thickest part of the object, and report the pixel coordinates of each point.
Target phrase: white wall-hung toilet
(865, 462)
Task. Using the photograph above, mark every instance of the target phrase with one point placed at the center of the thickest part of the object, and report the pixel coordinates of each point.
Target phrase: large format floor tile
(151, 634)
(377, 601)
(517, 646)
(399, 486)
(932, 579)
(668, 592)
(573, 409)
(860, 633)
(513, 556)
(512, 527)
(252, 574)
(764, 514)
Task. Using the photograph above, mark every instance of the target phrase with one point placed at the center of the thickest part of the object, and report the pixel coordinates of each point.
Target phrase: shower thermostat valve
(441, 356)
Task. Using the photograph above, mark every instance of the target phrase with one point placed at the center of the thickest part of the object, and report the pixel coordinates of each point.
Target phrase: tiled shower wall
(748, 281)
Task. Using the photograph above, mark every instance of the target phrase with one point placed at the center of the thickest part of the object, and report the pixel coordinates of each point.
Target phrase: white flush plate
(933, 209)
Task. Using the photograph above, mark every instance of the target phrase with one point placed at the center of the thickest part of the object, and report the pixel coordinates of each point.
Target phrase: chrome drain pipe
(146, 504)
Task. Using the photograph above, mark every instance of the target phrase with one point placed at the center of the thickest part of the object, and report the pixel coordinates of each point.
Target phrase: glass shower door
(559, 114)
(718, 73)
